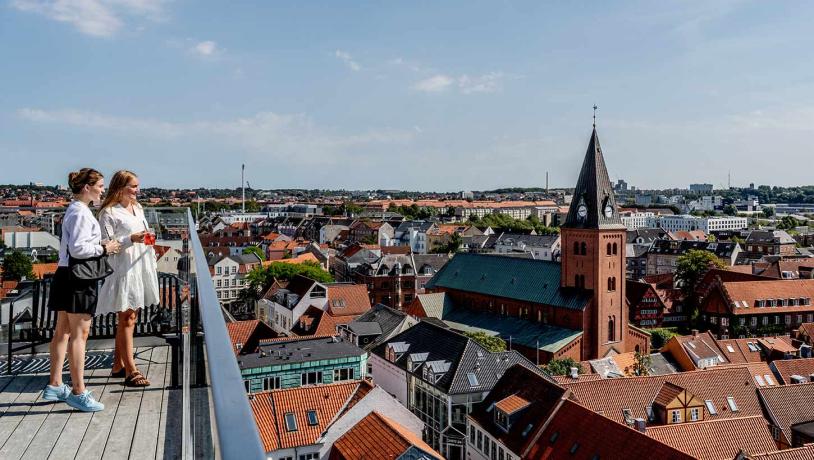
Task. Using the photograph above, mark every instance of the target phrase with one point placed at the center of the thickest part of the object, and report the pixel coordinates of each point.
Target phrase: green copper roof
(527, 333)
(536, 281)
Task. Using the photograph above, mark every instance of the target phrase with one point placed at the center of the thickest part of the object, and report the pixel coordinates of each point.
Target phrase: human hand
(138, 237)
(112, 247)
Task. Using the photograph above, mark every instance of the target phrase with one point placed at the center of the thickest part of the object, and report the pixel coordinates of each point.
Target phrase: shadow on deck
(137, 423)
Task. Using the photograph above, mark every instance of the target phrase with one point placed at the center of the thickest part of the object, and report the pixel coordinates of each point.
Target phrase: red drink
(149, 238)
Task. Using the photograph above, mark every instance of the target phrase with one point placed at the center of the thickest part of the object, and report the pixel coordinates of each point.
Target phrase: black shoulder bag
(91, 269)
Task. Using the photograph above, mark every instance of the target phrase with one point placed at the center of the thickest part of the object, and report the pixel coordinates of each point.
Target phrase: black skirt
(72, 295)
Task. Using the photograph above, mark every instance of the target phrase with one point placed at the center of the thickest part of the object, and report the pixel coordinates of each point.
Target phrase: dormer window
(502, 420)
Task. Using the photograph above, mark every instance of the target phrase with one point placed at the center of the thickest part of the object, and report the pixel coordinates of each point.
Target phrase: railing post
(10, 336)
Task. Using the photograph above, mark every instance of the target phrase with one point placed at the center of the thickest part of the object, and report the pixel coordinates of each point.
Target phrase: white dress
(134, 282)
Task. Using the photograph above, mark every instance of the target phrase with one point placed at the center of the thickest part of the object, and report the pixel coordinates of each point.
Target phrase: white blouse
(81, 235)
(134, 282)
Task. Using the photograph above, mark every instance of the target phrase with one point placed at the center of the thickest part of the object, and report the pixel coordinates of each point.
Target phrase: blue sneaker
(52, 393)
(84, 402)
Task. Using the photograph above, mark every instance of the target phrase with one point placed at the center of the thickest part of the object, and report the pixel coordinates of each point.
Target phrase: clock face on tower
(608, 211)
(582, 211)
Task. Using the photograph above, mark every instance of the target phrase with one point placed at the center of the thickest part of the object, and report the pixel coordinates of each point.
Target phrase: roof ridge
(716, 420)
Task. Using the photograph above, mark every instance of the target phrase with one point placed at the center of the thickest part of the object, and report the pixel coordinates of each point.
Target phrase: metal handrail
(237, 433)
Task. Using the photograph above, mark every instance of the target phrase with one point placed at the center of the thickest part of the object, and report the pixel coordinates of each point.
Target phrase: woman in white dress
(134, 282)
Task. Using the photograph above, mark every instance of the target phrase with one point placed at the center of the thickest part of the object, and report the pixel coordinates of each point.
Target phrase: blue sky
(411, 95)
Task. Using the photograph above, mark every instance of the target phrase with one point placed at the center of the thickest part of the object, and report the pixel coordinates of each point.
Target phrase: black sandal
(136, 379)
(117, 374)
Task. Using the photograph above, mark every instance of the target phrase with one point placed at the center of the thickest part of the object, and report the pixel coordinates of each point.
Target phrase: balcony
(191, 410)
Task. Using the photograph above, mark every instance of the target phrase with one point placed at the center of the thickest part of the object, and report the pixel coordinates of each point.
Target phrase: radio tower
(243, 186)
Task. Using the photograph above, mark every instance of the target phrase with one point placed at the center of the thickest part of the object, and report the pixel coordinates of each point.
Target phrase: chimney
(695, 332)
(574, 373)
(640, 425)
(811, 377)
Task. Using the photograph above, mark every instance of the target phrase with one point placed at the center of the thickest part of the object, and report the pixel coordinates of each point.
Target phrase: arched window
(610, 284)
(615, 249)
(576, 248)
(611, 329)
(609, 249)
(576, 281)
(614, 283)
(583, 248)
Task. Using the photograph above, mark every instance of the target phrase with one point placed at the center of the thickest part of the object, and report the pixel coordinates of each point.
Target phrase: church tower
(593, 256)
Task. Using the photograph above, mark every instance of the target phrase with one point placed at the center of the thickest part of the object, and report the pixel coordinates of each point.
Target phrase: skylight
(710, 407)
(760, 380)
(290, 422)
(769, 379)
(526, 431)
(312, 418)
(473, 379)
(731, 401)
(730, 349)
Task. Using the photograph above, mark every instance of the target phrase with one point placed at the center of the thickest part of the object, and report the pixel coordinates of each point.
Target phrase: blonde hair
(116, 188)
(77, 180)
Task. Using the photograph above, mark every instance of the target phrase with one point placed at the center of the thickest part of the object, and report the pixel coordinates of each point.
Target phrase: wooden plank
(165, 425)
(24, 432)
(12, 392)
(146, 437)
(70, 438)
(124, 424)
(98, 428)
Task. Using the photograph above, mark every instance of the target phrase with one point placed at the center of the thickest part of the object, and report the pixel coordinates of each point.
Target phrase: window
(310, 378)
(247, 384)
(312, 417)
(218, 283)
(502, 420)
(788, 319)
(583, 248)
(695, 414)
(675, 416)
(471, 435)
(345, 373)
(218, 270)
(768, 379)
(609, 249)
(290, 421)
(710, 407)
(311, 456)
(271, 383)
(480, 440)
(799, 319)
(615, 249)
(754, 321)
(611, 330)
(765, 320)
(576, 248)
(731, 402)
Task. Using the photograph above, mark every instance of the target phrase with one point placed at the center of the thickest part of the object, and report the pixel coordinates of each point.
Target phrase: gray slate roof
(536, 281)
(390, 321)
(681, 247)
(299, 351)
(537, 241)
(464, 355)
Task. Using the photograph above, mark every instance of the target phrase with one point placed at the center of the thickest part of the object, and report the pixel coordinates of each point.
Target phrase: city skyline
(450, 98)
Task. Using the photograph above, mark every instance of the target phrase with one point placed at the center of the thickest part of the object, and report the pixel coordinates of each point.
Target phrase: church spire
(593, 204)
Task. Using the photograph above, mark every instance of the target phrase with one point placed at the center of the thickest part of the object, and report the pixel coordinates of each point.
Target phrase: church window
(615, 249)
(611, 329)
(576, 248)
(583, 248)
(609, 249)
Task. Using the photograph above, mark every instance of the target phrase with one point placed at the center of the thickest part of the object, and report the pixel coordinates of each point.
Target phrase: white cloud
(205, 48)
(345, 57)
(434, 84)
(268, 134)
(487, 83)
(98, 18)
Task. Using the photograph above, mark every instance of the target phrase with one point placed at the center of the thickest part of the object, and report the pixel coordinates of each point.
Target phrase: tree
(768, 211)
(730, 210)
(641, 364)
(17, 266)
(252, 206)
(788, 223)
(491, 343)
(452, 244)
(690, 268)
(260, 279)
(659, 337)
(256, 251)
(562, 366)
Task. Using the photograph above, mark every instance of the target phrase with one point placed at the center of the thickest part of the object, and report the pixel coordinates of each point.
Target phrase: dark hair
(85, 176)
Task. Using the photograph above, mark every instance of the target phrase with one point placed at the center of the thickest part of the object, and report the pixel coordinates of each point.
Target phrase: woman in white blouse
(134, 282)
(74, 299)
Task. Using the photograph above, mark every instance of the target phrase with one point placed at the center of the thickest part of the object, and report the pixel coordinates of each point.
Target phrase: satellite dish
(34, 254)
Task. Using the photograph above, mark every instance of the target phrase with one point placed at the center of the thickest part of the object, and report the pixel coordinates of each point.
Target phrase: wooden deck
(137, 423)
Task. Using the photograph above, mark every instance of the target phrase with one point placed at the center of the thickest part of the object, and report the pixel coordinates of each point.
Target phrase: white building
(635, 220)
(30, 240)
(229, 274)
(690, 223)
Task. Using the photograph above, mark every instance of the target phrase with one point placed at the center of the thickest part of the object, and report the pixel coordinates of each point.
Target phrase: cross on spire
(595, 107)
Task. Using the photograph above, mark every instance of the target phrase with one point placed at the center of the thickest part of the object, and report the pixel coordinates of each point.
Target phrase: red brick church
(546, 309)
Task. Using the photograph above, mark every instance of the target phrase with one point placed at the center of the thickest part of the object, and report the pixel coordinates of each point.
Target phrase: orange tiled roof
(781, 344)
(717, 383)
(717, 439)
(788, 367)
(667, 394)
(348, 299)
(787, 405)
(564, 379)
(760, 372)
(738, 351)
(270, 408)
(577, 432)
(240, 331)
(807, 329)
(511, 404)
(377, 433)
(40, 270)
(625, 362)
(800, 453)
(745, 293)
(300, 259)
